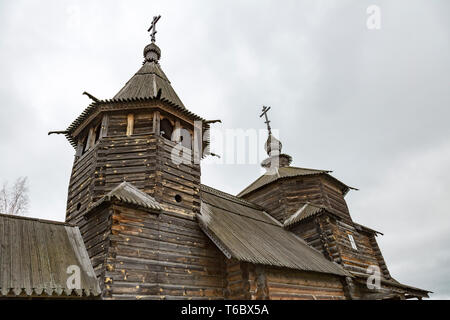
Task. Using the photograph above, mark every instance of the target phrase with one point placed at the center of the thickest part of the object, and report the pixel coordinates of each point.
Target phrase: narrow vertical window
(130, 125)
(352, 242)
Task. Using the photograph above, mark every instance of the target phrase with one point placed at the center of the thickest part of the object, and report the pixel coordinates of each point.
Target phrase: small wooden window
(352, 242)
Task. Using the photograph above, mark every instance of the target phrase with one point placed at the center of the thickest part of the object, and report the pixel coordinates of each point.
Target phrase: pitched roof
(35, 256)
(362, 278)
(129, 194)
(284, 172)
(245, 232)
(361, 227)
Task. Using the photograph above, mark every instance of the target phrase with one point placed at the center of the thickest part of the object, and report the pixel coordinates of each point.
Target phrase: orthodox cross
(153, 27)
(264, 113)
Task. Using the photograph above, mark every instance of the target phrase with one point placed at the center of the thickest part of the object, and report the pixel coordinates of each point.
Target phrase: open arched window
(166, 129)
(98, 129)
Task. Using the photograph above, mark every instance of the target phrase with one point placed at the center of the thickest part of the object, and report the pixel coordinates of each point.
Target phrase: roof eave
(80, 121)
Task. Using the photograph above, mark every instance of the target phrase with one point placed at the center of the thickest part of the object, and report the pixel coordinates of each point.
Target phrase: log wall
(161, 256)
(136, 254)
(112, 160)
(255, 282)
(298, 285)
(284, 197)
(330, 236)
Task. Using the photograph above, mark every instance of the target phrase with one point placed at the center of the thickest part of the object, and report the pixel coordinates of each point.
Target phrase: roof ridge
(155, 65)
(285, 172)
(230, 197)
(322, 170)
(67, 224)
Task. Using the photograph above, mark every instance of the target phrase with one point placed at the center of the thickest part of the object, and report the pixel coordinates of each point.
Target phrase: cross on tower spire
(267, 122)
(153, 27)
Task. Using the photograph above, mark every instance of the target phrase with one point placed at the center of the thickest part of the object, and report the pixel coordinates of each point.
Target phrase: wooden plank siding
(327, 234)
(163, 256)
(297, 285)
(284, 197)
(255, 282)
(330, 236)
(137, 254)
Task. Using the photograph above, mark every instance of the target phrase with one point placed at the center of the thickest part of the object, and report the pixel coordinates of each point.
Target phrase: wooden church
(140, 225)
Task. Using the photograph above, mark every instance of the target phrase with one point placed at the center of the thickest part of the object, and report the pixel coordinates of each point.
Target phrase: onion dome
(273, 145)
(152, 53)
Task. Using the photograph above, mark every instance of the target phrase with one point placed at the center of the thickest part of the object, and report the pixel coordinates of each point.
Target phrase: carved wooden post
(79, 152)
(90, 139)
(104, 128)
(130, 124)
(156, 123)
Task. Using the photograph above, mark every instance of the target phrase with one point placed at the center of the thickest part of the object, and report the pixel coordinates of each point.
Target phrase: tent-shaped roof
(148, 83)
(37, 257)
(245, 232)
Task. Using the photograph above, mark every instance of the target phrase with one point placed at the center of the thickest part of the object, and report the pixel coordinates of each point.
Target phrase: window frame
(352, 242)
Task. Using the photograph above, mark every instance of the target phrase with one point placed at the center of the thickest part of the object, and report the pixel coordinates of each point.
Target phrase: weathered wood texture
(284, 197)
(330, 236)
(96, 232)
(354, 260)
(236, 284)
(296, 285)
(137, 254)
(256, 282)
(163, 256)
(111, 161)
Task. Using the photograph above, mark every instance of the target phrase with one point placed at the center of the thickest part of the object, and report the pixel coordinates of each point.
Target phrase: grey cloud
(367, 104)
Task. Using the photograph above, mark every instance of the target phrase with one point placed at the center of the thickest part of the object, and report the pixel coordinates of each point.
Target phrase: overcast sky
(371, 105)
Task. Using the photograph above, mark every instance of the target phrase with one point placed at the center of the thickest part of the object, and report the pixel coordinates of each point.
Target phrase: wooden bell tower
(145, 136)
(135, 189)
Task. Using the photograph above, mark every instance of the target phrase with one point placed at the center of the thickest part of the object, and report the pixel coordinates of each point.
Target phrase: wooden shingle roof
(35, 256)
(245, 232)
(148, 83)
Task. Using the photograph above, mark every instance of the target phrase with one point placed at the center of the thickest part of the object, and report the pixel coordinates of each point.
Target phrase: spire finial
(272, 143)
(267, 122)
(153, 27)
(152, 53)
(273, 148)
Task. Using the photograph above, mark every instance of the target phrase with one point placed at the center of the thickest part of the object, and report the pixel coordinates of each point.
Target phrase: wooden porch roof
(35, 256)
